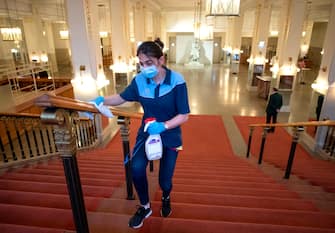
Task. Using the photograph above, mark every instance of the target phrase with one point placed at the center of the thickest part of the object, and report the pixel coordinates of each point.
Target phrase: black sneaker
(166, 207)
(137, 220)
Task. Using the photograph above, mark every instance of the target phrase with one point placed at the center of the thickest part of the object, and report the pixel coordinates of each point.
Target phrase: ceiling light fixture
(222, 7)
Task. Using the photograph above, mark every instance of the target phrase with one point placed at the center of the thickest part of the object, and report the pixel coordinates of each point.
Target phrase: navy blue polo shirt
(162, 101)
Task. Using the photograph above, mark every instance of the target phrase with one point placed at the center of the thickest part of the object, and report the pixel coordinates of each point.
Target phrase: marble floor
(215, 90)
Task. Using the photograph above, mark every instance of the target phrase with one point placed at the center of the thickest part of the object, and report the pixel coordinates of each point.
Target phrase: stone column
(120, 31)
(258, 49)
(139, 21)
(325, 82)
(288, 49)
(82, 16)
(236, 44)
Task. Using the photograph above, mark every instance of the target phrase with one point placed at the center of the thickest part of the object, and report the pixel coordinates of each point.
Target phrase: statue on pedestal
(195, 54)
(195, 51)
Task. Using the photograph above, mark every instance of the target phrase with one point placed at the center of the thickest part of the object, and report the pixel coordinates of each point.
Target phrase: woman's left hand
(156, 128)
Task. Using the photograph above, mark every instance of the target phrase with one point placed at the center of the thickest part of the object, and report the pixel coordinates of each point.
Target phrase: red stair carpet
(34, 199)
(214, 192)
(316, 171)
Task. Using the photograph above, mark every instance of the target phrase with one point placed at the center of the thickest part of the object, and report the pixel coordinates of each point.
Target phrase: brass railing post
(65, 140)
(250, 139)
(265, 130)
(124, 130)
(295, 138)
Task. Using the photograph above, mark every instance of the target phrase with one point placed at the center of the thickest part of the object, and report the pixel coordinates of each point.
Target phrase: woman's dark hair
(150, 48)
(159, 42)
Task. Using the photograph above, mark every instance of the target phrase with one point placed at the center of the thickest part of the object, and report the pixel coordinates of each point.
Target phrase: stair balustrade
(124, 131)
(62, 114)
(297, 129)
(24, 137)
(29, 77)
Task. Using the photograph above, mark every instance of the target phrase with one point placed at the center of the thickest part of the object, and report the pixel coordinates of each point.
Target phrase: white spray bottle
(153, 144)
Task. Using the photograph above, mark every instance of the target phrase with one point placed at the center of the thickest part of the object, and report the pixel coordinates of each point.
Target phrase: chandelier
(222, 7)
(202, 30)
(11, 34)
(63, 32)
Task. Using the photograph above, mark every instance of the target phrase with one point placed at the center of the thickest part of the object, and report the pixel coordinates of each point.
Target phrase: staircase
(35, 198)
(214, 191)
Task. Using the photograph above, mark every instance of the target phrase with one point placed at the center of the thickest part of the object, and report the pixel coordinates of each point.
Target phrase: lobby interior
(83, 47)
(215, 88)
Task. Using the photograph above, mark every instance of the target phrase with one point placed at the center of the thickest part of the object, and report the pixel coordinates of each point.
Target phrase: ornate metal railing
(297, 129)
(24, 137)
(61, 114)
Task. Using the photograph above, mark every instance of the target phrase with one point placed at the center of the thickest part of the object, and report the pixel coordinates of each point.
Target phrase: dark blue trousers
(139, 163)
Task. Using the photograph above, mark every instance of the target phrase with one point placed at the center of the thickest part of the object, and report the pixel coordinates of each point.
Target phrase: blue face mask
(150, 71)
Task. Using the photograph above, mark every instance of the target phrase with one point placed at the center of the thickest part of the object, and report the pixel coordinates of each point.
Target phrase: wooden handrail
(20, 115)
(297, 128)
(297, 124)
(49, 100)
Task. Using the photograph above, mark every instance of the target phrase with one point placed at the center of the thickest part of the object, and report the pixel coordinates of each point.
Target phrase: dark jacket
(275, 102)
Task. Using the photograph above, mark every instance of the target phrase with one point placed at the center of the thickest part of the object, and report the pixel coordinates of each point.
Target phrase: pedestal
(194, 64)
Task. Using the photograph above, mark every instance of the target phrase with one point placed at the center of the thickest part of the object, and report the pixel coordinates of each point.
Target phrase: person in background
(273, 107)
(163, 95)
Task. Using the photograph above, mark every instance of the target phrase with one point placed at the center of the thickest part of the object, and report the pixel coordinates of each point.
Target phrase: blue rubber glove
(99, 104)
(97, 101)
(156, 128)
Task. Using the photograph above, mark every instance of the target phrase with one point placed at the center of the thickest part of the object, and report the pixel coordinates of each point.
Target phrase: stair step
(83, 164)
(250, 215)
(61, 173)
(227, 177)
(101, 222)
(240, 201)
(235, 191)
(124, 206)
(109, 223)
(223, 173)
(94, 191)
(36, 216)
(44, 200)
(13, 228)
(170, 225)
(215, 165)
(84, 169)
(190, 181)
(114, 180)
